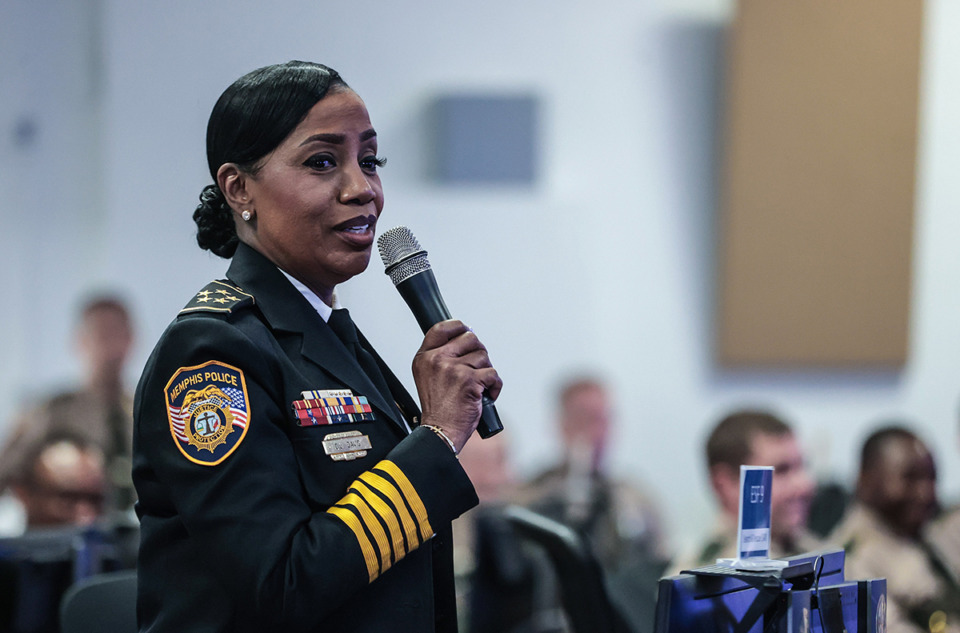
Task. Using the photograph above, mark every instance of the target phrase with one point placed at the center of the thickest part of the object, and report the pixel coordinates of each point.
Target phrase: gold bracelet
(446, 438)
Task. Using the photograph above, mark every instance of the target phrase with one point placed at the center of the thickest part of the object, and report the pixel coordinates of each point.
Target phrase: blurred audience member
(895, 500)
(61, 489)
(755, 438)
(619, 521)
(488, 464)
(63, 483)
(100, 410)
(944, 537)
(504, 584)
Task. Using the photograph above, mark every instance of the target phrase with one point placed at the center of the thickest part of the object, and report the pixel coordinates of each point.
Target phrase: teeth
(358, 229)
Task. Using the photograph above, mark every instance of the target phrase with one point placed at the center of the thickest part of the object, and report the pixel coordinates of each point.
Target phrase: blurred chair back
(100, 603)
(583, 592)
(37, 568)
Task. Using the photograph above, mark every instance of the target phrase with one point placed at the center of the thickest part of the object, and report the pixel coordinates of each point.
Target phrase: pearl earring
(246, 215)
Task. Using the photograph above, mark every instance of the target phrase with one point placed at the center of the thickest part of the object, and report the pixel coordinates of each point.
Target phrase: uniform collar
(322, 308)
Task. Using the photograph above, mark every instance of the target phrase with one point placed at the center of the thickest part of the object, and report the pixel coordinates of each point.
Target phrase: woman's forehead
(340, 112)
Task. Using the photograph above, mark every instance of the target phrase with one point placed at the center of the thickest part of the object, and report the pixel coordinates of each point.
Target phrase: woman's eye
(320, 162)
(372, 163)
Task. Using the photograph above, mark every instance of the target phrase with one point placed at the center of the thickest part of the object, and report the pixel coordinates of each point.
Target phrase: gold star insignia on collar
(219, 296)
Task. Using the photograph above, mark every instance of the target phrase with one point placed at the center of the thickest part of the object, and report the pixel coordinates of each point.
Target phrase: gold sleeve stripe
(369, 556)
(410, 494)
(373, 526)
(390, 491)
(387, 514)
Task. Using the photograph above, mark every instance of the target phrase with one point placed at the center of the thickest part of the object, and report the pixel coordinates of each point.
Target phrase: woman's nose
(356, 187)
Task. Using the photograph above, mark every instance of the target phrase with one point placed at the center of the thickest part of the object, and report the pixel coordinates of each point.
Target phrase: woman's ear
(233, 184)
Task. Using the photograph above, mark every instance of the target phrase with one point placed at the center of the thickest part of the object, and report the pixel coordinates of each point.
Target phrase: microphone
(406, 264)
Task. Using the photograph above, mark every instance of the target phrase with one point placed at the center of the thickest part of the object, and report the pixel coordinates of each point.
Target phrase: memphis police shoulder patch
(209, 411)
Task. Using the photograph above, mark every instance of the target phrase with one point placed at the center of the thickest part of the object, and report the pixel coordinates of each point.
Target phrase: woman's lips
(359, 230)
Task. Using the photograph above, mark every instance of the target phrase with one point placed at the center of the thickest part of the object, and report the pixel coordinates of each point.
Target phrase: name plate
(346, 446)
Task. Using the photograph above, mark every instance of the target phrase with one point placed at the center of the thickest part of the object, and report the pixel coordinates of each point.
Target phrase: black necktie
(342, 325)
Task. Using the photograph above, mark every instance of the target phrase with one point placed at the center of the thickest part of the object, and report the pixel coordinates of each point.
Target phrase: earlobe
(233, 184)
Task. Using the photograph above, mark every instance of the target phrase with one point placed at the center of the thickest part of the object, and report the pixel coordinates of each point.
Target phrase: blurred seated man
(504, 585)
(487, 465)
(63, 483)
(100, 410)
(943, 534)
(895, 500)
(755, 438)
(620, 521)
(61, 488)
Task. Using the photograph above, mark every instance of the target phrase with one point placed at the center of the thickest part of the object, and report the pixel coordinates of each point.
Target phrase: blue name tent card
(753, 528)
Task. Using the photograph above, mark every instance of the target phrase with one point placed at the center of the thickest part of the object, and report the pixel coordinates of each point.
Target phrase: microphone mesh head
(401, 254)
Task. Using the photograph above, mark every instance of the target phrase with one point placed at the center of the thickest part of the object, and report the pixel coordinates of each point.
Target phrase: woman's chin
(353, 265)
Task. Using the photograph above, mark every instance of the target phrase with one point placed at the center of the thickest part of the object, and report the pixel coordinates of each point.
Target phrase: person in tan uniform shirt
(755, 438)
(619, 518)
(943, 533)
(100, 411)
(884, 533)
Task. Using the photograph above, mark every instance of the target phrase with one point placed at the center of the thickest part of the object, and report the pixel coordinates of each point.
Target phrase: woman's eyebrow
(337, 139)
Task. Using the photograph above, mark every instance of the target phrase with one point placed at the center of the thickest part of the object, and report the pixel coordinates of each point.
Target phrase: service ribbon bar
(332, 407)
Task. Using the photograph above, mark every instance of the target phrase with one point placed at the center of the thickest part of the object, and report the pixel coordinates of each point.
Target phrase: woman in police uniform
(286, 481)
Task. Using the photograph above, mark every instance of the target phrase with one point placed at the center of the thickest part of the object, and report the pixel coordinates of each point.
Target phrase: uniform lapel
(408, 406)
(286, 310)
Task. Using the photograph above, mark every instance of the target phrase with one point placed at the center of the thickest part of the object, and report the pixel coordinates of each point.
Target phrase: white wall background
(605, 264)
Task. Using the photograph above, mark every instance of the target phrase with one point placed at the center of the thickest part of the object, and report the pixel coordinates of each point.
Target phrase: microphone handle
(422, 295)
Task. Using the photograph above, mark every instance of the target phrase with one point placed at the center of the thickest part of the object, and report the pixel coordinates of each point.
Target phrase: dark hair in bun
(251, 118)
(216, 231)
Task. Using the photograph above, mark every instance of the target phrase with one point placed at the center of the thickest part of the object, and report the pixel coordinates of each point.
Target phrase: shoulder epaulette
(221, 295)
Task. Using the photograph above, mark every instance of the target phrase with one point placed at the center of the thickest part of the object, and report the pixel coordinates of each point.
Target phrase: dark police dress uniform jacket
(247, 523)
